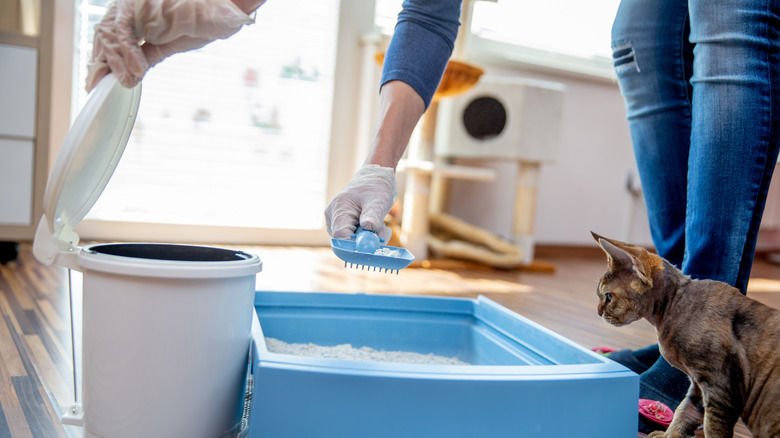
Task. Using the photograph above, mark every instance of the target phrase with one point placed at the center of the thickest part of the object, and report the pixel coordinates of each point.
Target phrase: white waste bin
(165, 327)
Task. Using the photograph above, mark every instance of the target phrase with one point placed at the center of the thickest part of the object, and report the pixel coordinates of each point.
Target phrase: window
(235, 134)
(570, 35)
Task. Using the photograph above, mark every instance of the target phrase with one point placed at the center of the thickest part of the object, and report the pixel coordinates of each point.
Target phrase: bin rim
(90, 260)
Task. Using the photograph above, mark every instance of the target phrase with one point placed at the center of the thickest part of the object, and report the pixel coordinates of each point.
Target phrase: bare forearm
(400, 108)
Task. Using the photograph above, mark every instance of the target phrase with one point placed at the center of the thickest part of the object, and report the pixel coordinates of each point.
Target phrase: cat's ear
(618, 258)
(622, 259)
(642, 271)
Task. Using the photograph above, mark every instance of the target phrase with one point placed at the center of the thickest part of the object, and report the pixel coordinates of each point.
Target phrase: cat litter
(367, 354)
(388, 252)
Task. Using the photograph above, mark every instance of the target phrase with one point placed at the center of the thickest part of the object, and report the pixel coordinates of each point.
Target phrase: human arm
(422, 43)
(134, 35)
(367, 199)
(413, 66)
(400, 108)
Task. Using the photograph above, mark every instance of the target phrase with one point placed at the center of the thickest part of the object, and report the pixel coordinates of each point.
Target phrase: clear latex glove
(134, 35)
(366, 200)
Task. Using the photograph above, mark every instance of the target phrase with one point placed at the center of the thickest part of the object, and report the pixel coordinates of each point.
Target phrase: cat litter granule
(388, 252)
(365, 354)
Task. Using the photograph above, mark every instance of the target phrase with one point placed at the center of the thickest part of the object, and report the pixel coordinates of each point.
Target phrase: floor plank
(559, 293)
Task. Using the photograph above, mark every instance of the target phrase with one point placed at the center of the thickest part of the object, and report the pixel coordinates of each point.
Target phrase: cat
(727, 344)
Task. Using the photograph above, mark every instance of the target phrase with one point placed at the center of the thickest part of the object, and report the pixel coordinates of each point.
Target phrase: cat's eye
(607, 298)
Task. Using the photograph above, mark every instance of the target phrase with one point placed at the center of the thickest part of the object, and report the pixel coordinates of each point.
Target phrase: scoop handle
(366, 241)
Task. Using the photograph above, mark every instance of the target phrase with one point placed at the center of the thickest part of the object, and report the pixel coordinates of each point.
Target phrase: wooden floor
(35, 352)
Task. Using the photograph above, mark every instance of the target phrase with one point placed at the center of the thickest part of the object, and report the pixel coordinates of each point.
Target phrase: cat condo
(479, 148)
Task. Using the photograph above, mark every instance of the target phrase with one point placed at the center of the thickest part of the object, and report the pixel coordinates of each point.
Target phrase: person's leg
(653, 62)
(732, 151)
(637, 361)
(734, 135)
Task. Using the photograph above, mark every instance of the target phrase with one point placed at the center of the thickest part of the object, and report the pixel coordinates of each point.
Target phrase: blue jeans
(701, 85)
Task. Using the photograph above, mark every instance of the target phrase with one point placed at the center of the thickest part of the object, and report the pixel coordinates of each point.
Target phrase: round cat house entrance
(165, 328)
(484, 118)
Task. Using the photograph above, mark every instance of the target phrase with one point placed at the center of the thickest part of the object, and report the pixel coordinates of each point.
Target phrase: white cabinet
(16, 181)
(27, 90)
(17, 86)
(17, 133)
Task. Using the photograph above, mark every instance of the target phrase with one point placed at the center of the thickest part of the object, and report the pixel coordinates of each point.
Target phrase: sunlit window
(570, 27)
(235, 133)
(564, 34)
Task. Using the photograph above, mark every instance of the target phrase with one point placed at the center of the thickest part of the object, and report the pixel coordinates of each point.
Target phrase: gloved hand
(134, 35)
(365, 201)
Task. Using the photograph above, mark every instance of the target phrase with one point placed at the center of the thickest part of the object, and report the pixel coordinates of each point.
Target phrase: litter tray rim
(262, 358)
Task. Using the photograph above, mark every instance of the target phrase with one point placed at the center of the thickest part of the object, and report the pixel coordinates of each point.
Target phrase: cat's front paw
(657, 434)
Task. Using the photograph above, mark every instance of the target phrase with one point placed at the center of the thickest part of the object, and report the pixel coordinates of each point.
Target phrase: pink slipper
(656, 412)
(604, 350)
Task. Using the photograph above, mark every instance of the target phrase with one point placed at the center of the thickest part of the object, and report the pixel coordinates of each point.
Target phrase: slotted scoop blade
(366, 252)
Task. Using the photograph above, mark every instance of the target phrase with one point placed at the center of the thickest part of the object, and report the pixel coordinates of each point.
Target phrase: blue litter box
(523, 381)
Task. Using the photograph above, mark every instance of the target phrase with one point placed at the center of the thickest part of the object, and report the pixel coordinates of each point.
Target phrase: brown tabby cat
(728, 344)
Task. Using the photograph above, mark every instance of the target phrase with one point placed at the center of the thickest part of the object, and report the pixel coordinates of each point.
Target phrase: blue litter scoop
(365, 250)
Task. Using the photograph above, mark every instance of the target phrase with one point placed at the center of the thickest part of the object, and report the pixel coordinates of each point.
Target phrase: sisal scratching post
(525, 207)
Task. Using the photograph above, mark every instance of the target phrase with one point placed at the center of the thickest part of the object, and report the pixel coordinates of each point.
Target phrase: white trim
(501, 53)
(91, 230)
(352, 109)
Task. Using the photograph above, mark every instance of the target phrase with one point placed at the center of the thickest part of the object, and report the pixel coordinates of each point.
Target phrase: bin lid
(85, 163)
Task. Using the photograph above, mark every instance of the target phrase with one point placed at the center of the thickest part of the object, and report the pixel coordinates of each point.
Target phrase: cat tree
(428, 169)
